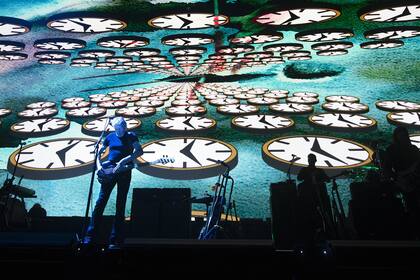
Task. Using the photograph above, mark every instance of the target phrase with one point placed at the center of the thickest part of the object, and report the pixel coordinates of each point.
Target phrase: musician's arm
(137, 151)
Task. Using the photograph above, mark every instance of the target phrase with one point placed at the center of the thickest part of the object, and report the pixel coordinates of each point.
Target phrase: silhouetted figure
(37, 212)
(313, 203)
(402, 166)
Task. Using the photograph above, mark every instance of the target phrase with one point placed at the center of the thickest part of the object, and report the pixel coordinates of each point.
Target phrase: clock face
(345, 107)
(4, 112)
(123, 42)
(283, 47)
(238, 109)
(195, 157)
(397, 32)
(136, 111)
(223, 101)
(277, 94)
(392, 14)
(99, 99)
(43, 104)
(96, 53)
(186, 110)
(262, 123)
(59, 44)
(52, 55)
(245, 96)
(187, 51)
(398, 105)
(142, 52)
(409, 119)
(299, 58)
(297, 16)
(234, 49)
(40, 127)
(87, 60)
(302, 100)
(80, 24)
(262, 101)
(188, 21)
(415, 140)
(117, 59)
(51, 61)
(12, 56)
(332, 53)
(72, 99)
(382, 44)
(112, 104)
(343, 122)
(150, 103)
(86, 112)
(257, 39)
(13, 26)
(186, 102)
(187, 40)
(9, 46)
(324, 35)
(305, 94)
(75, 104)
(54, 159)
(332, 46)
(342, 98)
(259, 55)
(37, 113)
(95, 127)
(331, 153)
(292, 108)
(186, 124)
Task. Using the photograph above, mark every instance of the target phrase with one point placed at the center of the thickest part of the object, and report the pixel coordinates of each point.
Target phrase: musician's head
(401, 136)
(120, 126)
(311, 159)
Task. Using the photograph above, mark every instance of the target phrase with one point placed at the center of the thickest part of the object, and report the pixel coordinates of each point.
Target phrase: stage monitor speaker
(283, 199)
(161, 213)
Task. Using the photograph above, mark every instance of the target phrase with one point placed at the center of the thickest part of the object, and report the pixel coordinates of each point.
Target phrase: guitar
(408, 179)
(107, 171)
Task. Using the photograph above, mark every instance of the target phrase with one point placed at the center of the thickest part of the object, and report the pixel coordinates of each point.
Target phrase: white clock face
(382, 44)
(59, 44)
(223, 101)
(302, 100)
(410, 119)
(52, 61)
(343, 122)
(37, 113)
(187, 40)
(75, 104)
(238, 109)
(259, 55)
(295, 53)
(13, 56)
(305, 94)
(397, 32)
(186, 110)
(245, 96)
(278, 94)
(345, 107)
(136, 111)
(13, 26)
(99, 99)
(96, 53)
(331, 153)
(188, 51)
(87, 60)
(112, 104)
(332, 53)
(123, 42)
(186, 124)
(72, 99)
(4, 112)
(86, 112)
(52, 55)
(188, 21)
(297, 16)
(234, 49)
(292, 108)
(342, 98)
(150, 103)
(262, 101)
(43, 104)
(54, 159)
(95, 127)
(324, 35)
(415, 140)
(397, 105)
(262, 123)
(283, 47)
(393, 14)
(333, 46)
(195, 158)
(186, 102)
(257, 39)
(86, 24)
(142, 52)
(117, 59)
(40, 127)
(9, 46)
(299, 58)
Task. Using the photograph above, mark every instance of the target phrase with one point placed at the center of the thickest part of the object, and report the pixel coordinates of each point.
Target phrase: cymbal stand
(338, 211)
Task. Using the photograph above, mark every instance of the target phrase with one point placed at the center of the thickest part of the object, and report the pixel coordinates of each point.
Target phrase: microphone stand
(92, 178)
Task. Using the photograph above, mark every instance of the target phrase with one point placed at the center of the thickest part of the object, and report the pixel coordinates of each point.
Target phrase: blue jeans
(123, 182)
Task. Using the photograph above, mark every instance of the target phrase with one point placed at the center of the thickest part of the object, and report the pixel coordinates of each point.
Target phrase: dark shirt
(119, 148)
(313, 187)
(309, 174)
(399, 158)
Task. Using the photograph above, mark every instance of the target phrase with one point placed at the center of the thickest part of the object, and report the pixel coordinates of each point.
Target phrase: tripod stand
(211, 228)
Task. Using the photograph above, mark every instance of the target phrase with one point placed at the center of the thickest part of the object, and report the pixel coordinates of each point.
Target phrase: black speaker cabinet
(161, 213)
(283, 199)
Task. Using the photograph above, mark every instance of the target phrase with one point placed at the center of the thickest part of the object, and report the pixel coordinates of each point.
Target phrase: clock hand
(41, 125)
(292, 17)
(185, 22)
(84, 25)
(262, 120)
(186, 151)
(62, 153)
(405, 106)
(187, 122)
(341, 118)
(406, 12)
(317, 149)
